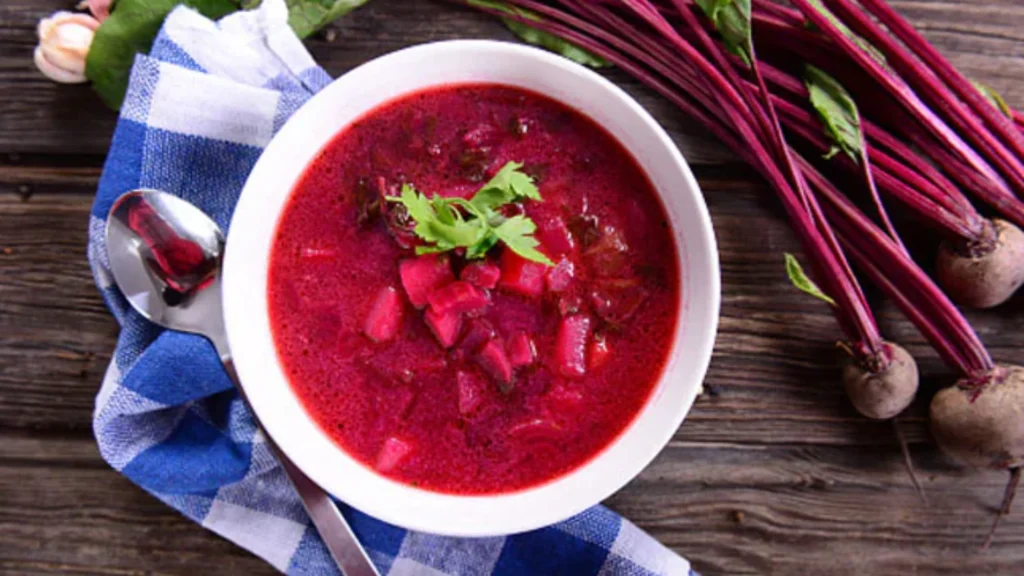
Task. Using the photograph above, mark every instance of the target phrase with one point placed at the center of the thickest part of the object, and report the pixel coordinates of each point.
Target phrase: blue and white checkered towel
(199, 110)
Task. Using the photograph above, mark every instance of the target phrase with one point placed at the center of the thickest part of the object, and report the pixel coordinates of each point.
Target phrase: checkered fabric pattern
(199, 109)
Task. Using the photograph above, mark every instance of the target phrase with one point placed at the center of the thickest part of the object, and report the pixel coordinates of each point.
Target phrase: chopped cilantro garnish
(476, 224)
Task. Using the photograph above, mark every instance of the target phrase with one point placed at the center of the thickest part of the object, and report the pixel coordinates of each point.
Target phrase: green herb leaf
(837, 112)
(130, 30)
(510, 184)
(307, 16)
(516, 233)
(994, 97)
(864, 44)
(732, 20)
(539, 37)
(801, 281)
(444, 227)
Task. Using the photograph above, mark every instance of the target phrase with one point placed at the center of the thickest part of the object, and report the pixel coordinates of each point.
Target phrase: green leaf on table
(476, 225)
(859, 41)
(732, 20)
(130, 30)
(837, 112)
(801, 281)
(307, 16)
(540, 38)
(994, 97)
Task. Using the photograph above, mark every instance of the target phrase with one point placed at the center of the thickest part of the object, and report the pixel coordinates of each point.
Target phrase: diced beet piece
(391, 454)
(522, 276)
(609, 255)
(598, 352)
(560, 276)
(494, 361)
(457, 298)
(616, 301)
(554, 236)
(445, 327)
(478, 332)
(571, 346)
(521, 351)
(423, 275)
(537, 428)
(385, 317)
(482, 273)
(471, 392)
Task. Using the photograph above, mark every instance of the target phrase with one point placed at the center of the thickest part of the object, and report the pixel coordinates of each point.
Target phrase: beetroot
(391, 454)
(385, 317)
(445, 327)
(481, 273)
(457, 298)
(983, 275)
(560, 276)
(478, 332)
(423, 275)
(494, 361)
(470, 392)
(980, 422)
(521, 351)
(521, 276)
(598, 352)
(881, 387)
(571, 346)
(554, 236)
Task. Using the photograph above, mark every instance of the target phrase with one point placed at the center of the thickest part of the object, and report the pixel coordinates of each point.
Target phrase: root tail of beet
(1011, 491)
(908, 463)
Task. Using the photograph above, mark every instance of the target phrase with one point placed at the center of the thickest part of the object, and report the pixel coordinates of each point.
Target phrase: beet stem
(1008, 495)
(900, 91)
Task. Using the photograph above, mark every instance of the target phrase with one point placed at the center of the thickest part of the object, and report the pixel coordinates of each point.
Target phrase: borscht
(473, 289)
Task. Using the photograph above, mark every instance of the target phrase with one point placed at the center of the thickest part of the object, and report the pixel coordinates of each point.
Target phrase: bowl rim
(330, 466)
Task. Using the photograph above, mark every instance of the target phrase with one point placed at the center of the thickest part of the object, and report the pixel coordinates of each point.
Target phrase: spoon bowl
(165, 255)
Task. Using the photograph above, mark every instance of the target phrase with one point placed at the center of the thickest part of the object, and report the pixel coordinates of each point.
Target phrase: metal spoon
(166, 256)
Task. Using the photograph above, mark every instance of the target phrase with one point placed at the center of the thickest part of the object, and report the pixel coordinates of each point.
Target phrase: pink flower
(64, 40)
(100, 8)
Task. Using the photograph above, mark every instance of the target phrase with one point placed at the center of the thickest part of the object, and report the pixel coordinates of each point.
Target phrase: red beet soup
(426, 337)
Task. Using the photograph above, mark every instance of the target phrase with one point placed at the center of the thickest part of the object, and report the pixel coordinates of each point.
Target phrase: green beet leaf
(837, 112)
(801, 281)
(307, 16)
(732, 20)
(130, 30)
(994, 97)
(539, 37)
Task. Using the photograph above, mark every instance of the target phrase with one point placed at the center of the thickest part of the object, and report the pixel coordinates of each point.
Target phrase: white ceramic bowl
(252, 234)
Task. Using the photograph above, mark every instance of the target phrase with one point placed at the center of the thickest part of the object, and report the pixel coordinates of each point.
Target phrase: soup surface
(486, 375)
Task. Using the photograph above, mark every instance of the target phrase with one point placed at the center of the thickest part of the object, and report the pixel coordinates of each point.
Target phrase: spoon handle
(334, 530)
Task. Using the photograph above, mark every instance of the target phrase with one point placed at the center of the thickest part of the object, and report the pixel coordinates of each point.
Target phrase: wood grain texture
(773, 471)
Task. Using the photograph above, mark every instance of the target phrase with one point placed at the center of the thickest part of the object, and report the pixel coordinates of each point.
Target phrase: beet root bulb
(982, 425)
(986, 273)
(881, 387)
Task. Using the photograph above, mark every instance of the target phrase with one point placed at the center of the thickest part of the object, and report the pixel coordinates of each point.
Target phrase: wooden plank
(732, 509)
(36, 116)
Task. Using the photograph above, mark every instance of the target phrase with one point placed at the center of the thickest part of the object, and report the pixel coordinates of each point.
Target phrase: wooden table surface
(772, 472)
